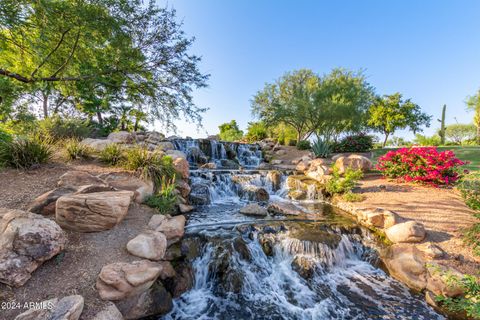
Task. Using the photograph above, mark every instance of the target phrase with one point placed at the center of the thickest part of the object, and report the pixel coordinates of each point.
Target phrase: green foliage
(341, 185)
(473, 104)
(165, 199)
(229, 131)
(391, 113)
(469, 302)
(98, 57)
(283, 133)
(74, 149)
(149, 165)
(398, 142)
(426, 141)
(292, 142)
(469, 188)
(321, 149)
(5, 134)
(304, 145)
(112, 154)
(460, 133)
(23, 153)
(256, 131)
(354, 143)
(58, 128)
(325, 105)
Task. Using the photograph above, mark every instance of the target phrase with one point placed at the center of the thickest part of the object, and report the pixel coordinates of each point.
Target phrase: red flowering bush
(424, 165)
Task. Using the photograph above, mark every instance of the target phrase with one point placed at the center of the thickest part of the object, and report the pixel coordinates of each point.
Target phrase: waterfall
(249, 155)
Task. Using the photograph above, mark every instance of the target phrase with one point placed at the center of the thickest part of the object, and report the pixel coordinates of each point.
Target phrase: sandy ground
(442, 211)
(76, 269)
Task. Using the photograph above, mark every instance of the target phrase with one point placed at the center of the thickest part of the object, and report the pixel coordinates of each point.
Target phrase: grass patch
(74, 149)
(23, 153)
(112, 154)
(165, 199)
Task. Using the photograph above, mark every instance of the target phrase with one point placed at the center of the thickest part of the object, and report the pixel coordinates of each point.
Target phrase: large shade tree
(473, 104)
(98, 54)
(391, 113)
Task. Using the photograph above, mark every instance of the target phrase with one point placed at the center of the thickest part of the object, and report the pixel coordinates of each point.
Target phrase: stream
(315, 265)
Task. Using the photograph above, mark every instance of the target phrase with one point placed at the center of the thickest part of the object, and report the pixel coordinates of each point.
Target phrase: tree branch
(50, 54)
(69, 57)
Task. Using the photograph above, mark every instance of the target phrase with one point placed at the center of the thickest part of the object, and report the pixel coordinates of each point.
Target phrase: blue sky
(427, 50)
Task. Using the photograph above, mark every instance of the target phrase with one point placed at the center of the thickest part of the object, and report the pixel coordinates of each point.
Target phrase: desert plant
(339, 184)
(469, 188)
(441, 132)
(149, 165)
(112, 154)
(74, 149)
(321, 149)
(469, 302)
(23, 153)
(423, 165)
(165, 199)
(354, 143)
(304, 145)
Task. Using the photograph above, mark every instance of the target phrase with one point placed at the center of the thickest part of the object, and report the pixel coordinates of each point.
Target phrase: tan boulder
(149, 245)
(67, 308)
(378, 218)
(185, 208)
(407, 264)
(96, 144)
(302, 166)
(182, 167)
(173, 228)
(438, 280)
(119, 280)
(254, 210)
(353, 161)
(253, 192)
(78, 178)
(45, 203)
(26, 241)
(410, 231)
(175, 154)
(431, 250)
(165, 145)
(183, 187)
(129, 182)
(156, 220)
(285, 208)
(121, 137)
(109, 312)
(94, 211)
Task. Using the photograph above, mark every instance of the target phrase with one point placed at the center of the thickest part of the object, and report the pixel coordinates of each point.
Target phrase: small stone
(410, 231)
(149, 245)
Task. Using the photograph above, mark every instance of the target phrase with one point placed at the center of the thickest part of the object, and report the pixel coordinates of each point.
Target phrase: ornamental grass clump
(424, 165)
(25, 152)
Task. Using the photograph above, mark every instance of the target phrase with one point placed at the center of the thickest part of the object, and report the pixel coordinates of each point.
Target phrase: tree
(92, 50)
(390, 113)
(287, 100)
(340, 104)
(473, 103)
(256, 131)
(229, 131)
(459, 133)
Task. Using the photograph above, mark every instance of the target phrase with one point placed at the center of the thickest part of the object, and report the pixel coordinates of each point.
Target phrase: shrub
(469, 188)
(469, 302)
(256, 131)
(74, 149)
(292, 142)
(321, 149)
(149, 165)
(23, 153)
(57, 128)
(303, 145)
(354, 143)
(165, 199)
(5, 135)
(341, 185)
(427, 141)
(112, 154)
(423, 165)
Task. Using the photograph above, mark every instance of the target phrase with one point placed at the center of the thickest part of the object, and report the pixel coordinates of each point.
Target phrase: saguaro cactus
(441, 133)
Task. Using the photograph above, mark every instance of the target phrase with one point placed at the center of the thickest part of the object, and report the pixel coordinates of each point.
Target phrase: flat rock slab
(78, 178)
(92, 212)
(127, 181)
(285, 208)
(26, 241)
(67, 308)
(254, 210)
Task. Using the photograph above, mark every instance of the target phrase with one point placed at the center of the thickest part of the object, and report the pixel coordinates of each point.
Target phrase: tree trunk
(99, 117)
(135, 127)
(45, 105)
(386, 138)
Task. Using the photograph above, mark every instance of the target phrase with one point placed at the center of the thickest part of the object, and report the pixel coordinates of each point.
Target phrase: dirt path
(442, 211)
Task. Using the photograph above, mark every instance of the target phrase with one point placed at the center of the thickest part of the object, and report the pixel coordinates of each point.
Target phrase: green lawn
(471, 154)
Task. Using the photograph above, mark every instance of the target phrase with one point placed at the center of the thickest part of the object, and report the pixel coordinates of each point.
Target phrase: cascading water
(249, 156)
(318, 265)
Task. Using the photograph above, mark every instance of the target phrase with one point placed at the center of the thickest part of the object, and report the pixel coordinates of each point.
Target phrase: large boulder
(284, 208)
(120, 280)
(378, 217)
(67, 308)
(407, 264)
(200, 194)
(254, 193)
(175, 154)
(254, 209)
(149, 245)
(165, 145)
(410, 231)
(94, 211)
(354, 161)
(181, 166)
(109, 312)
(26, 241)
(173, 228)
(45, 203)
(275, 178)
(78, 178)
(127, 181)
(182, 186)
(96, 144)
(438, 277)
(121, 137)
